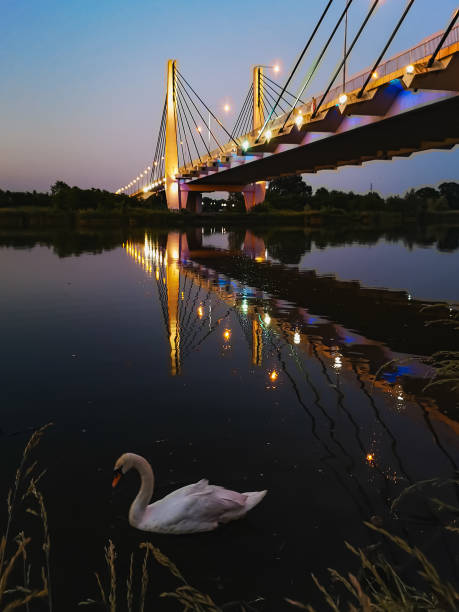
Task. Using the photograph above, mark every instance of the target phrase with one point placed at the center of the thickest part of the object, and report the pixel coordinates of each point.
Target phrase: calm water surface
(246, 358)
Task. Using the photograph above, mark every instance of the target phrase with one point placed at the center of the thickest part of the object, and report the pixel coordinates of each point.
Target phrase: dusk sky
(83, 82)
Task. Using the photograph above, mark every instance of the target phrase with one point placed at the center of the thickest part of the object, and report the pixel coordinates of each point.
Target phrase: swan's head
(123, 464)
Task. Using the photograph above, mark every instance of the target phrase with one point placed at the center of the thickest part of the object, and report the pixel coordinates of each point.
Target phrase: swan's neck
(140, 503)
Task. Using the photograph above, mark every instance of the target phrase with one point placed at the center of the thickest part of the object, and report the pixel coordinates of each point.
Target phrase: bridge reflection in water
(366, 429)
(201, 291)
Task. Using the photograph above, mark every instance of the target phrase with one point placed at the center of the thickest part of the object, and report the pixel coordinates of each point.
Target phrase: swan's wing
(218, 499)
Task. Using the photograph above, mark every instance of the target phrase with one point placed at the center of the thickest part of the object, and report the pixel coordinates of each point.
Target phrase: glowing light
(409, 69)
(375, 75)
(273, 376)
(343, 98)
(199, 128)
(296, 338)
(268, 135)
(370, 457)
(299, 120)
(244, 306)
(200, 312)
(227, 334)
(276, 68)
(338, 364)
(267, 319)
(226, 108)
(245, 145)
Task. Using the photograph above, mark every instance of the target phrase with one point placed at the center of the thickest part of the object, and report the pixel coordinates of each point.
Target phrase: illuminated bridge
(397, 106)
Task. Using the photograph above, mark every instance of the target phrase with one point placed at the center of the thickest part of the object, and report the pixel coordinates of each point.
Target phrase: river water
(245, 357)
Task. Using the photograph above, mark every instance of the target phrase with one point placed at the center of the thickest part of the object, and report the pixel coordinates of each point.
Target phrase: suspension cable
(179, 98)
(241, 113)
(357, 36)
(383, 52)
(206, 107)
(280, 87)
(299, 60)
(318, 60)
(195, 122)
(443, 38)
(204, 121)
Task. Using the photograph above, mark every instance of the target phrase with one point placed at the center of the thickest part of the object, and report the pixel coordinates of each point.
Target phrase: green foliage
(235, 203)
(288, 192)
(450, 191)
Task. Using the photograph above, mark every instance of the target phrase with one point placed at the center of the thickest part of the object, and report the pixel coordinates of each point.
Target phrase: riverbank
(32, 217)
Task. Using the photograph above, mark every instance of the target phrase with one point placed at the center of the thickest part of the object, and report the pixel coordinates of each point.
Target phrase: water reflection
(330, 367)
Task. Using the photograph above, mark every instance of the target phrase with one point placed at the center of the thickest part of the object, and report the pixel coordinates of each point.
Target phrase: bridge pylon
(171, 150)
(257, 191)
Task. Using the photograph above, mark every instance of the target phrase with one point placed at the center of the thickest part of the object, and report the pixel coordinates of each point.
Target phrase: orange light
(199, 128)
(370, 457)
(200, 312)
(375, 75)
(226, 108)
(227, 334)
(274, 376)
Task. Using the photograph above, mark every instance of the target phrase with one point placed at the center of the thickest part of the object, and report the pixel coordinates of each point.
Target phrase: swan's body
(196, 507)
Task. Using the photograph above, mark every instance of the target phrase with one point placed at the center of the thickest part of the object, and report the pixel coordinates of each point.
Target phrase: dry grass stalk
(110, 557)
(129, 593)
(34, 440)
(144, 586)
(187, 595)
(26, 594)
(32, 490)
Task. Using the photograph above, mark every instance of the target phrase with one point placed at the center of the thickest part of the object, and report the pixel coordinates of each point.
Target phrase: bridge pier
(254, 195)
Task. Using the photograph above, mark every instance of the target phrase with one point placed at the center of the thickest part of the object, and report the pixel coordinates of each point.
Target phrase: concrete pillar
(171, 153)
(257, 194)
(254, 195)
(194, 201)
(258, 94)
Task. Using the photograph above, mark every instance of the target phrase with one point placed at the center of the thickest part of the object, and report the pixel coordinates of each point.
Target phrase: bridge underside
(426, 127)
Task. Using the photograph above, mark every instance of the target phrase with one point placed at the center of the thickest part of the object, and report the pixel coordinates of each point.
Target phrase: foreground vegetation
(376, 587)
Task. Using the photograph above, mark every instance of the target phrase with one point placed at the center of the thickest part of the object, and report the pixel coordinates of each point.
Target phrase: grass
(25, 482)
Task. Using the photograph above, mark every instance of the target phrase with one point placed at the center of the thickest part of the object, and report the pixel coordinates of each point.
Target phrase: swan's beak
(116, 479)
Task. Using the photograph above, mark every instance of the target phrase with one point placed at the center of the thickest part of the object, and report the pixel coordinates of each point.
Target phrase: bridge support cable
(443, 38)
(317, 61)
(158, 153)
(357, 36)
(183, 134)
(386, 46)
(248, 124)
(235, 133)
(302, 54)
(270, 91)
(279, 87)
(198, 128)
(182, 78)
(204, 122)
(191, 131)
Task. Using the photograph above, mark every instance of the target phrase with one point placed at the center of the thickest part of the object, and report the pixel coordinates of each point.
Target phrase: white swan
(196, 507)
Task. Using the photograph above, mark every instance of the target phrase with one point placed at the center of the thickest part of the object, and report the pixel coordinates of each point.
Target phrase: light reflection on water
(271, 384)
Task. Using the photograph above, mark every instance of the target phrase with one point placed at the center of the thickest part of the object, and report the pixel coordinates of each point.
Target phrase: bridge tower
(257, 192)
(171, 151)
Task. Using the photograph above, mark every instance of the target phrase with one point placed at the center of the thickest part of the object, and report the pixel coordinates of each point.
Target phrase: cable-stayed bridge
(398, 106)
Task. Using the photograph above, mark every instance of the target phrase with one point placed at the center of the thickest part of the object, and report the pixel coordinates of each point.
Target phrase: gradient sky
(83, 82)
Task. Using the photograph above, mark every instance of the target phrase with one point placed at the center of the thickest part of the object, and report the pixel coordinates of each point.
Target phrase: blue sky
(83, 82)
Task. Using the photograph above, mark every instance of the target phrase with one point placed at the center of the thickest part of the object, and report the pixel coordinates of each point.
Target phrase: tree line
(285, 193)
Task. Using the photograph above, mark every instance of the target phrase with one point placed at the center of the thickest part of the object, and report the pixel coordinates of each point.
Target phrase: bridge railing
(397, 63)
